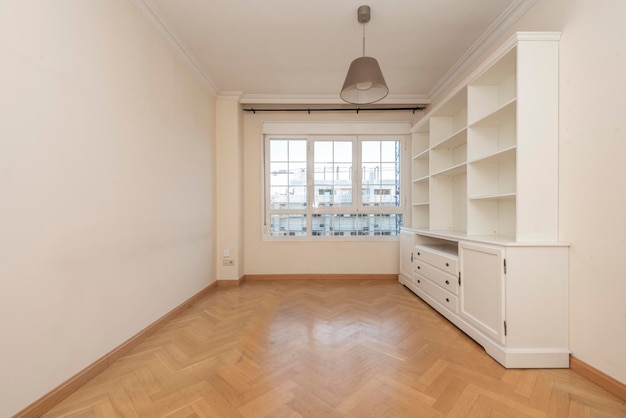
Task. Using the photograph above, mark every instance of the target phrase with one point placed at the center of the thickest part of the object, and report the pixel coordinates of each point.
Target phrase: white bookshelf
(487, 155)
(485, 187)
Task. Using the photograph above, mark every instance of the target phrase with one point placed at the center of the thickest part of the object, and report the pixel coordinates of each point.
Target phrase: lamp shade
(364, 82)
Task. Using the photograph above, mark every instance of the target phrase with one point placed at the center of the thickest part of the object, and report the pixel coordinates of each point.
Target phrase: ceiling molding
(230, 95)
(504, 22)
(150, 12)
(323, 99)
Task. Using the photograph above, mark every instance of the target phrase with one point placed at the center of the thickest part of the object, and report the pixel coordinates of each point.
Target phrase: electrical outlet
(228, 262)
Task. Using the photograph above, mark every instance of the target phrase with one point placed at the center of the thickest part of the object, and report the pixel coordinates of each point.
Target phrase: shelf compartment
(445, 127)
(505, 154)
(454, 170)
(419, 143)
(444, 158)
(448, 201)
(494, 134)
(449, 119)
(492, 176)
(455, 140)
(500, 115)
(420, 166)
(420, 191)
(493, 216)
(420, 216)
(495, 87)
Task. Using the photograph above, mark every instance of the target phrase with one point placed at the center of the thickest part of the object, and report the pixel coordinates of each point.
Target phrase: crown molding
(230, 95)
(324, 99)
(151, 13)
(498, 28)
(504, 22)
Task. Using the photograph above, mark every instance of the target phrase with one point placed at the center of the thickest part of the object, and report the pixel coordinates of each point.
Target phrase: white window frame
(356, 132)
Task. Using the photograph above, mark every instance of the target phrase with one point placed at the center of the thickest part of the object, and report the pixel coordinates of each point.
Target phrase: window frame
(357, 207)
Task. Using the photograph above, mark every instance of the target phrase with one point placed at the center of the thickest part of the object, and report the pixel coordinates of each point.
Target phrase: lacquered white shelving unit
(485, 201)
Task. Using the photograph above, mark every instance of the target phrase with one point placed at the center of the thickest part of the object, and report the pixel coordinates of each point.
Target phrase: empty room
(312, 209)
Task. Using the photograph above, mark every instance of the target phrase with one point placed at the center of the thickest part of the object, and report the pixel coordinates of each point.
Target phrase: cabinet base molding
(601, 379)
(321, 277)
(65, 389)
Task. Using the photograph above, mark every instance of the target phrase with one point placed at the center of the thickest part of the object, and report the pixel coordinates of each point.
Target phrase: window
(333, 186)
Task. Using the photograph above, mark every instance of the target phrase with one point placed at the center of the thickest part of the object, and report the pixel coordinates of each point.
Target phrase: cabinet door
(482, 288)
(407, 241)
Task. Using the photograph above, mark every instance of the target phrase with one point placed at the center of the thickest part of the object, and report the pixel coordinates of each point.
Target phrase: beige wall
(106, 183)
(229, 138)
(339, 257)
(591, 170)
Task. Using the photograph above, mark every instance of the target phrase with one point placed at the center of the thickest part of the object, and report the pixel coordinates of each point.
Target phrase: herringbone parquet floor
(324, 349)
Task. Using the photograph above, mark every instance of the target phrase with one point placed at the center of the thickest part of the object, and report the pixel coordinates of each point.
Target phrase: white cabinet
(511, 298)
(485, 193)
(436, 274)
(482, 288)
(407, 240)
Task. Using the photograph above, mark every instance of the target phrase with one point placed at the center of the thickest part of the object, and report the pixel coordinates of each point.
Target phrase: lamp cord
(363, 38)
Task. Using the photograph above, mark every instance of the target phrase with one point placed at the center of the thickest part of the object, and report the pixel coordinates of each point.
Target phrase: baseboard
(253, 277)
(601, 379)
(231, 283)
(65, 389)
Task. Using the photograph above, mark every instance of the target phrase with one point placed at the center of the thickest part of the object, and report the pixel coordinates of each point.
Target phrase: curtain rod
(338, 109)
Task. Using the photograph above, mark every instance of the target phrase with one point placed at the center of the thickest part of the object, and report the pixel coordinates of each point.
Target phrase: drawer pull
(447, 281)
(447, 264)
(419, 281)
(447, 299)
(418, 267)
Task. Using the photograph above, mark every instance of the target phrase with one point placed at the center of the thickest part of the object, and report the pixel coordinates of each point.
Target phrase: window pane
(288, 177)
(388, 151)
(323, 151)
(370, 151)
(380, 224)
(297, 198)
(278, 197)
(333, 173)
(351, 224)
(381, 178)
(279, 174)
(297, 150)
(343, 151)
(297, 174)
(287, 225)
(279, 150)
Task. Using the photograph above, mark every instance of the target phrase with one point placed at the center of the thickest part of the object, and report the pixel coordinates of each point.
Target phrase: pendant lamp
(364, 82)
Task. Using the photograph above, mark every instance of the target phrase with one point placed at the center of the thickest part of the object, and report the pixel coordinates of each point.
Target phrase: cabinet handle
(447, 281)
(418, 267)
(411, 257)
(447, 300)
(419, 281)
(418, 253)
(447, 264)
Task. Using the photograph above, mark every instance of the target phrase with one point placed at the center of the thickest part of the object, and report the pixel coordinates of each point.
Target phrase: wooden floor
(324, 349)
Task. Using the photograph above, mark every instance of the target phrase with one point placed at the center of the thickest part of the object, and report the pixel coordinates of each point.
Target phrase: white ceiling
(296, 51)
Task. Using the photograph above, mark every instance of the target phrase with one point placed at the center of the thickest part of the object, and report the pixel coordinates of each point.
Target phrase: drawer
(443, 257)
(443, 279)
(444, 298)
